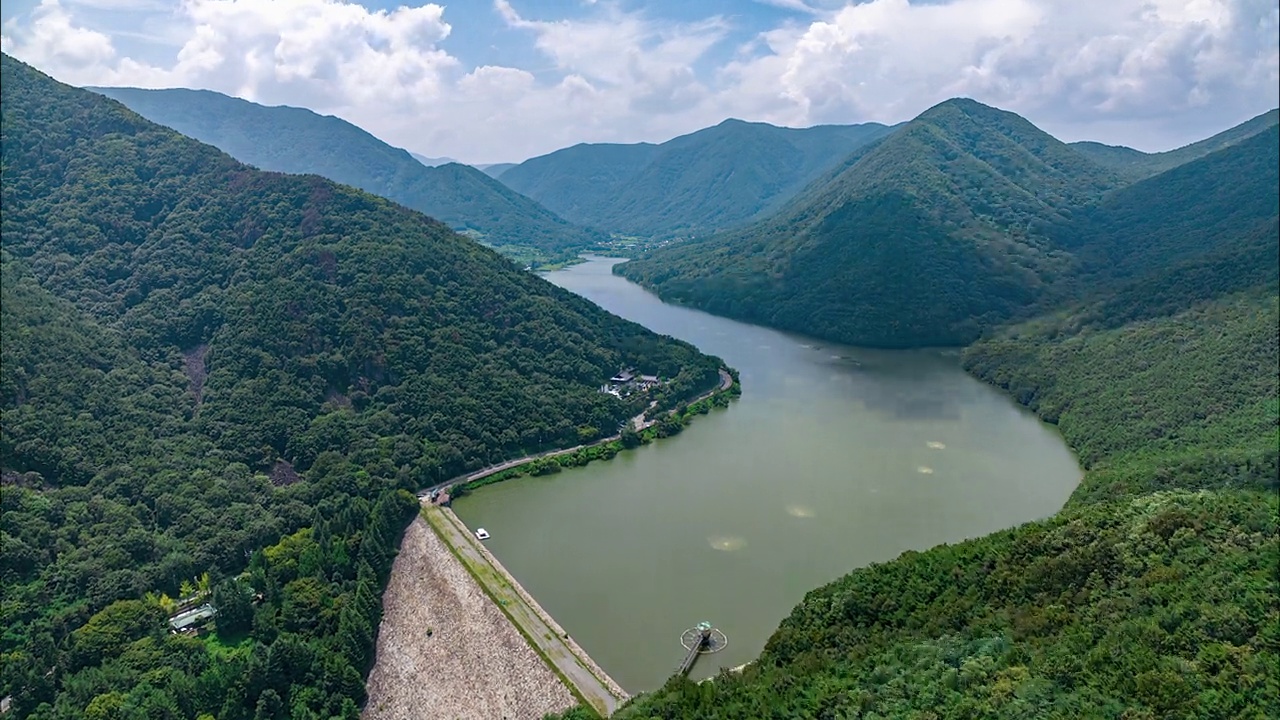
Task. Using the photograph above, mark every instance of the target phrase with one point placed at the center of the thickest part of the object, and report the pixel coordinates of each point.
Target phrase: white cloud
(648, 61)
(1147, 72)
(50, 39)
(1065, 62)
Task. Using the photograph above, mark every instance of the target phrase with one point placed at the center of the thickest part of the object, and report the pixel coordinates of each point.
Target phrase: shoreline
(589, 684)
(437, 615)
(517, 466)
(580, 654)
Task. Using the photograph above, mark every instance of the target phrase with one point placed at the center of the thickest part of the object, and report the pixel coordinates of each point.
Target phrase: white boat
(482, 534)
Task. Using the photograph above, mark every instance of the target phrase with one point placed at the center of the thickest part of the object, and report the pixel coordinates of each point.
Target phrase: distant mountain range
(1137, 164)
(494, 170)
(296, 140)
(1147, 331)
(962, 219)
(217, 375)
(432, 161)
(176, 328)
(712, 179)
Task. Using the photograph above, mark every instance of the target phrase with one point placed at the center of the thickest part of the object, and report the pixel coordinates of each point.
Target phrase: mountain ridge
(963, 185)
(1137, 165)
(225, 382)
(706, 180)
(1159, 370)
(298, 140)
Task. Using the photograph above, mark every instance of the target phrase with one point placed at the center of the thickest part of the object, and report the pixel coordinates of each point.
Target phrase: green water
(833, 458)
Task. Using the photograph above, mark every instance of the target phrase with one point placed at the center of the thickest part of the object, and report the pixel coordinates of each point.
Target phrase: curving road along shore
(726, 382)
(570, 661)
(424, 618)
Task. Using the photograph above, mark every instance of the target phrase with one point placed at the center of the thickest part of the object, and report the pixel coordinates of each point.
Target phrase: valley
(833, 458)
(940, 418)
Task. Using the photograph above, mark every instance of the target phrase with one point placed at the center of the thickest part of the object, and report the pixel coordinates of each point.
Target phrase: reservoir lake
(832, 459)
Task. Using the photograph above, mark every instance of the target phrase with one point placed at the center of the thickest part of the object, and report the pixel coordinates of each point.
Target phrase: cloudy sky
(502, 80)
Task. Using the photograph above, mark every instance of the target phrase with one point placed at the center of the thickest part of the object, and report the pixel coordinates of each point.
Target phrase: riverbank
(588, 681)
(552, 461)
(443, 648)
(461, 636)
(835, 458)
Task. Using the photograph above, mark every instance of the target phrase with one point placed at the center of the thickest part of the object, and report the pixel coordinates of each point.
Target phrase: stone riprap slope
(473, 666)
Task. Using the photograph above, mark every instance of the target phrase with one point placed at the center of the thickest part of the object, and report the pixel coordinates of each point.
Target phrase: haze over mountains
(433, 161)
(296, 140)
(711, 179)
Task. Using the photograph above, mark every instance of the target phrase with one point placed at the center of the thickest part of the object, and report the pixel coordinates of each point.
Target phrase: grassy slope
(296, 140)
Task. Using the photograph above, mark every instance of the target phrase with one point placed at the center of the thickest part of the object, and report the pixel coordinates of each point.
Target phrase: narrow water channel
(833, 458)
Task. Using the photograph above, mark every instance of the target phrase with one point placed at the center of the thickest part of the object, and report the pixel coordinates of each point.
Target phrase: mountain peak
(298, 140)
(967, 107)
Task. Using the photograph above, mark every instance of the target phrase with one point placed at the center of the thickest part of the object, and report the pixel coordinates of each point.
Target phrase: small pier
(702, 639)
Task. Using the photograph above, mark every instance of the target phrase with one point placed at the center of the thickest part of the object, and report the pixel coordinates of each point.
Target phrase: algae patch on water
(727, 542)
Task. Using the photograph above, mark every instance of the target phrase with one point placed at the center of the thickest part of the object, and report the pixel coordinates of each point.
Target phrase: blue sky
(502, 80)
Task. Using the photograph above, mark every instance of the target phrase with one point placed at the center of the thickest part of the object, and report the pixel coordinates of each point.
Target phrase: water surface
(833, 458)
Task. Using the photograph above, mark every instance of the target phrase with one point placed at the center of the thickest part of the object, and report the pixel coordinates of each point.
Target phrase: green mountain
(207, 368)
(580, 180)
(1153, 594)
(927, 237)
(1135, 164)
(1201, 209)
(711, 179)
(296, 140)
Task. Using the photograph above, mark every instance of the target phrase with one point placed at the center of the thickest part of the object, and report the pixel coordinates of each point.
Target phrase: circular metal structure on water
(715, 643)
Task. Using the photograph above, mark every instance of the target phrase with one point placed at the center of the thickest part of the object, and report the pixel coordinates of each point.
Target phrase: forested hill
(212, 369)
(1208, 207)
(1136, 164)
(296, 140)
(711, 179)
(926, 237)
(1153, 594)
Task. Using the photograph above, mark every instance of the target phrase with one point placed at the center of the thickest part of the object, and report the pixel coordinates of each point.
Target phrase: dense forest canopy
(949, 213)
(296, 140)
(1203, 208)
(220, 383)
(1154, 593)
(964, 219)
(714, 178)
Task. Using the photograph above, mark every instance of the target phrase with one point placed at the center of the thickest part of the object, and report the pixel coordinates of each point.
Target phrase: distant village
(627, 382)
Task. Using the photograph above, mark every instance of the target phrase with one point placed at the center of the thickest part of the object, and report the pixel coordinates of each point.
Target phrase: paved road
(726, 380)
(552, 646)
